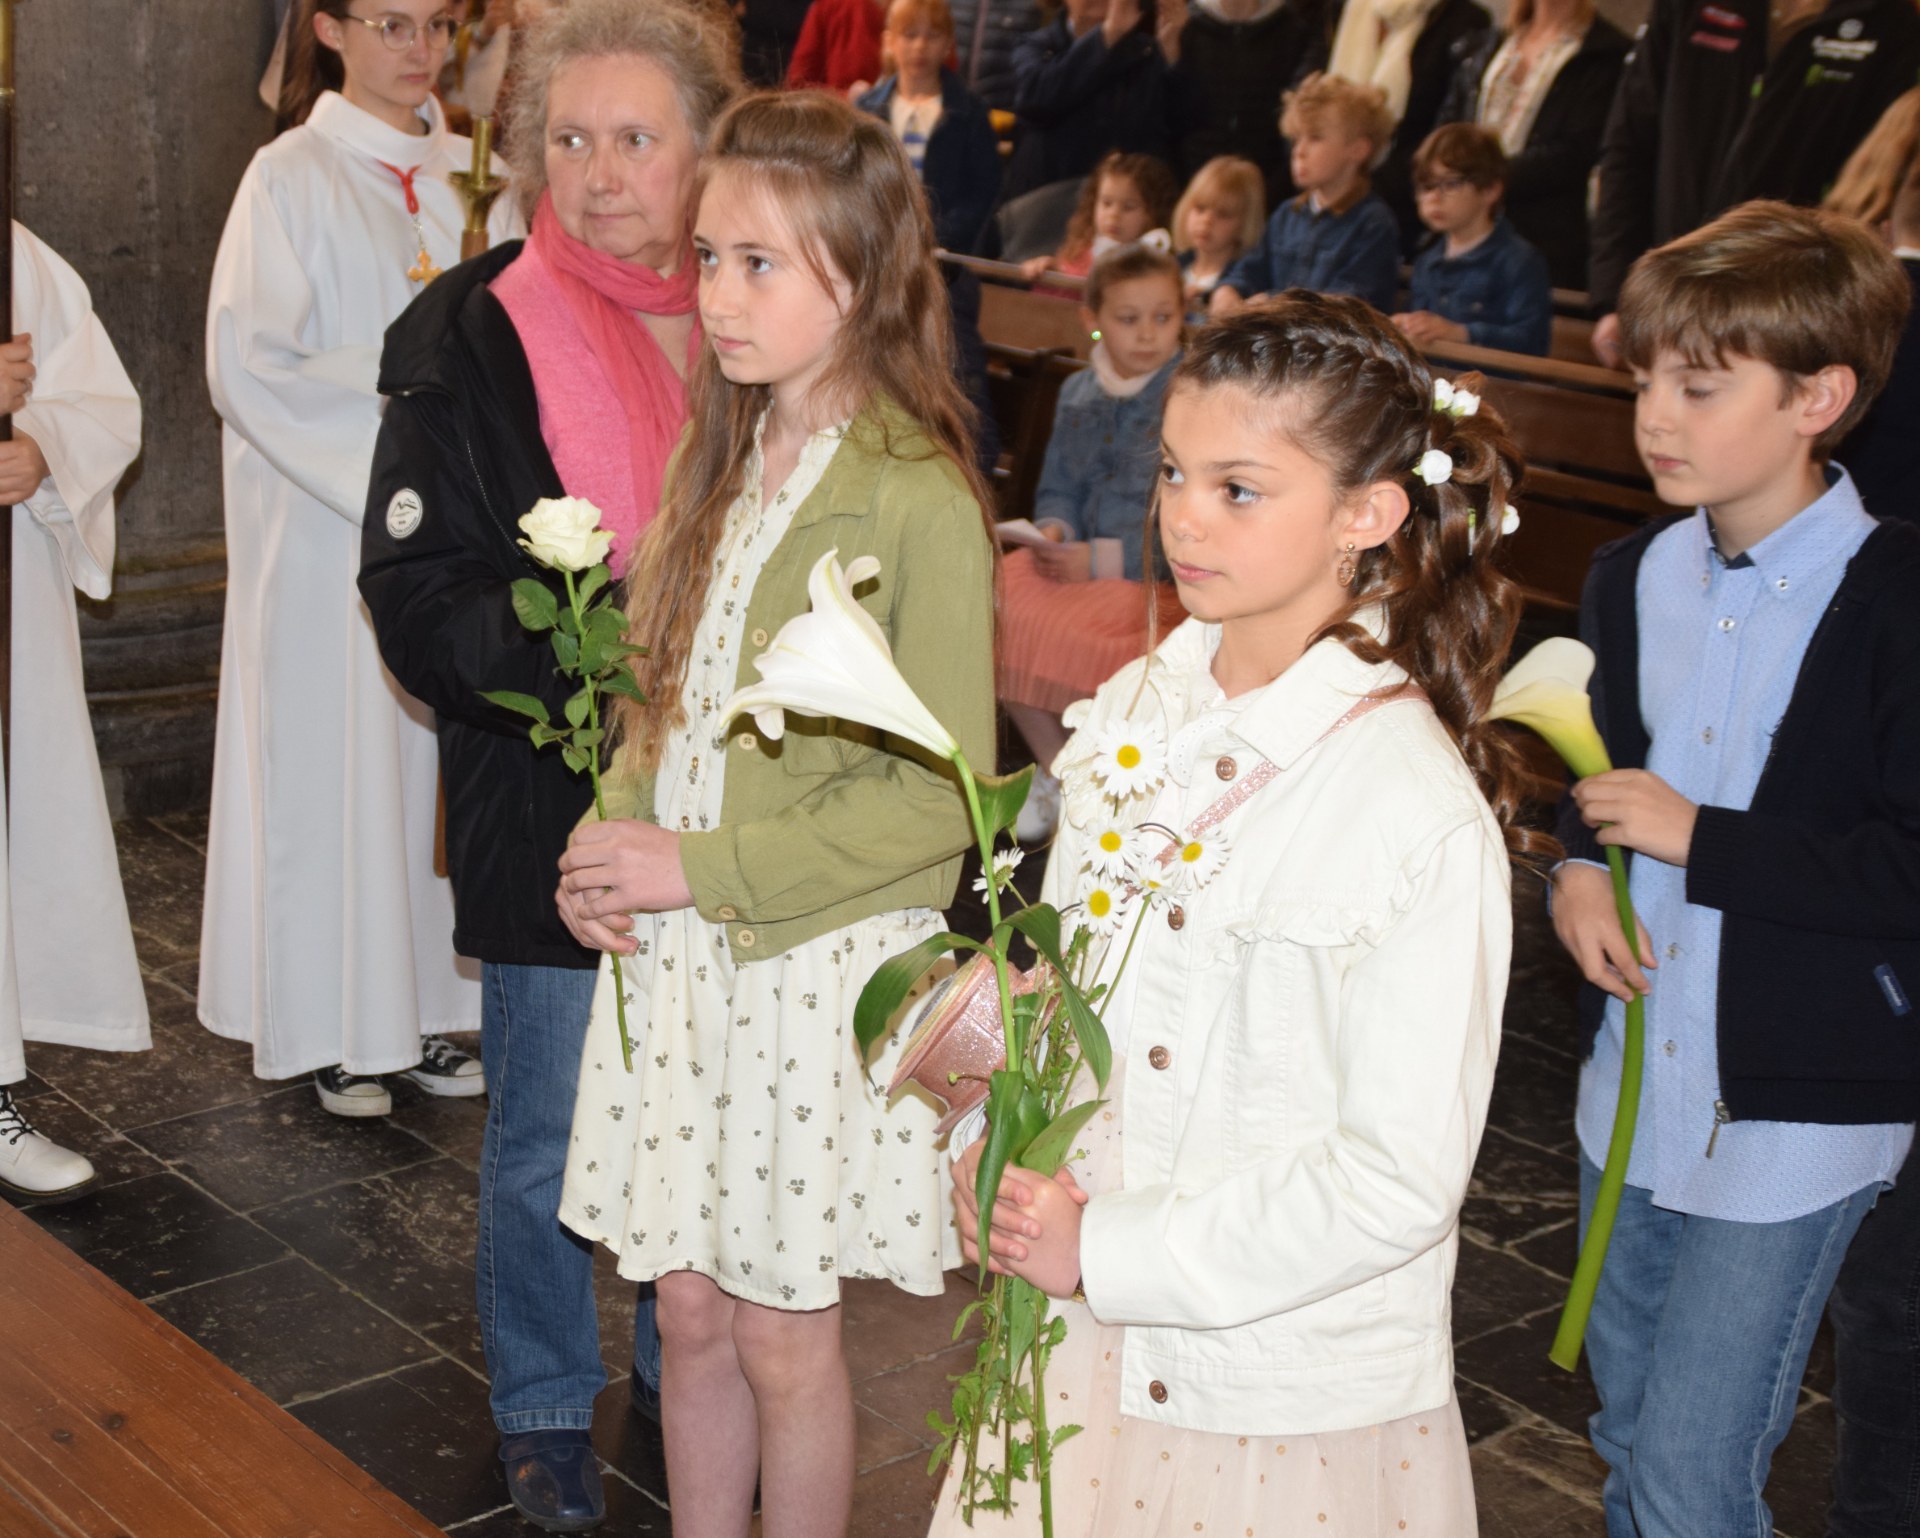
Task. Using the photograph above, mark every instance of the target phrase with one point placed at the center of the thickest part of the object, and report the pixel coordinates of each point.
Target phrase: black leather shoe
(554, 1480)
(644, 1397)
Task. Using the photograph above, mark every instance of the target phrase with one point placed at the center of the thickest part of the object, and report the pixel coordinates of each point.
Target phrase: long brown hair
(1874, 172)
(844, 183)
(1353, 395)
(312, 68)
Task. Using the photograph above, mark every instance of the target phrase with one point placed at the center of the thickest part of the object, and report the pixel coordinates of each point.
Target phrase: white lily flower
(1196, 861)
(1130, 759)
(1005, 863)
(1547, 691)
(835, 661)
(1435, 467)
(564, 533)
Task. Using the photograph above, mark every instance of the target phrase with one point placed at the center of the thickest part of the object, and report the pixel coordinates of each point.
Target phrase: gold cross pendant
(423, 271)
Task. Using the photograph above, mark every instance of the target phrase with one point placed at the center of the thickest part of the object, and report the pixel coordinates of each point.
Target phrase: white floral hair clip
(1456, 403)
(1435, 467)
(1157, 240)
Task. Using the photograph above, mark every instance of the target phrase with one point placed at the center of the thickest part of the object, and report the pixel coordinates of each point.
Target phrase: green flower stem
(1042, 1452)
(1593, 1252)
(600, 809)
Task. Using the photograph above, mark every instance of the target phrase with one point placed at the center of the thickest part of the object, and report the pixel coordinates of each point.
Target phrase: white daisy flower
(1196, 861)
(1115, 850)
(1005, 863)
(1130, 759)
(1103, 907)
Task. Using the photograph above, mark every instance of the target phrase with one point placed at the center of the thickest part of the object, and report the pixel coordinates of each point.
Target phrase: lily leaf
(1046, 1153)
(1096, 1050)
(535, 605)
(1002, 796)
(1015, 1116)
(890, 984)
(1041, 925)
(519, 704)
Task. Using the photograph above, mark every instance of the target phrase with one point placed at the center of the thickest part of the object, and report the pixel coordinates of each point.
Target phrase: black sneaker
(352, 1094)
(446, 1070)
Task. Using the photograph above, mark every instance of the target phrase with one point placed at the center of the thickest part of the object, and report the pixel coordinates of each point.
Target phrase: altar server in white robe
(327, 940)
(67, 967)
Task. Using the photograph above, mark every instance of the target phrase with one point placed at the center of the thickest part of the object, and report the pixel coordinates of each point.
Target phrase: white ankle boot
(34, 1166)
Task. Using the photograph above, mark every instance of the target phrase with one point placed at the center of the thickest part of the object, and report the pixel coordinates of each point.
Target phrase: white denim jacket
(1310, 1053)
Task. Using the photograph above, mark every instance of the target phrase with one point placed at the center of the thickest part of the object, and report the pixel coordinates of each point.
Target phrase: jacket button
(748, 741)
(744, 939)
(1157, 1391)
(759, 638)
(728, 913)
(1160, 1057)
(1226, 768)
(1176, 917)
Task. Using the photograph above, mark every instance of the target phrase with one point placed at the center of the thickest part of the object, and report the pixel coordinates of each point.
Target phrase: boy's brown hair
(1360, 109)
(1800, 289)
(1464, 149)
(936, 13)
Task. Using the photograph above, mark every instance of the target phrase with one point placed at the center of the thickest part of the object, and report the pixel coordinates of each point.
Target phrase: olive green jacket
(834, 823)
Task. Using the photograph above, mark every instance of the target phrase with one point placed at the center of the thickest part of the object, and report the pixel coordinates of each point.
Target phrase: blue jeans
(1698, 1341)
(534, 1277)
(1875, 1310)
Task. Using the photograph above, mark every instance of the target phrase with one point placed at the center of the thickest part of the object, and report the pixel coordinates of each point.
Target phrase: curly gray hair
(697, 42)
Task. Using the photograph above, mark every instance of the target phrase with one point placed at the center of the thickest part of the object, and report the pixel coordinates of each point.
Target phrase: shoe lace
(13, 1123)
(438, 1051)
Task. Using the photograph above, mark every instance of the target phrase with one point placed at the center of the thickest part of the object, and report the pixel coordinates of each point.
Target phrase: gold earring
(1344, 572)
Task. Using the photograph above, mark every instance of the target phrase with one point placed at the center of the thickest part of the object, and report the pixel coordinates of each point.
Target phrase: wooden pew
(112, 1423)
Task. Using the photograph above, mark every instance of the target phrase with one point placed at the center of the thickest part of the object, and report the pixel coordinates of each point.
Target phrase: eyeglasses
(399, 32)
(1441, 184)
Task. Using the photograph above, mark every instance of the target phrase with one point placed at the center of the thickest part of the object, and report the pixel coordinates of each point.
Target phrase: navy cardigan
(962, 170)
(1819, 879)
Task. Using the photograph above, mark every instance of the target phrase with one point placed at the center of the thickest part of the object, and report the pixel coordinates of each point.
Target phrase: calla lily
(835, 661)
(1546, 690)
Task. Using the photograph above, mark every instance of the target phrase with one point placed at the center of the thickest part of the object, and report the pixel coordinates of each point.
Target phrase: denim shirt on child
(1499, 290)
(1353, 250)
(1101, 462)
(1721, 644)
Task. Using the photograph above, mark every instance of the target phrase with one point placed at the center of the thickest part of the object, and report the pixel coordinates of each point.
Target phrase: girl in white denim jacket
(1305, 1042)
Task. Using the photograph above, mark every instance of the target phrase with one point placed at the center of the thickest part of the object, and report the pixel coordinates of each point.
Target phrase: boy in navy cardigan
(1336, 236)
(1759, 691)
(1477, 281)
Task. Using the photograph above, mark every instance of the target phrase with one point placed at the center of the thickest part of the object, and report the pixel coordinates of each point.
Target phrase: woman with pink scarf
(554, 367)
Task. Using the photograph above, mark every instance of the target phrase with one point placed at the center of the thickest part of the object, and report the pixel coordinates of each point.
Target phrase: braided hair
(1362, 403)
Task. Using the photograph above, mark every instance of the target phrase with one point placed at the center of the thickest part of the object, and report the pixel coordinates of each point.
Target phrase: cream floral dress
(747, 1144)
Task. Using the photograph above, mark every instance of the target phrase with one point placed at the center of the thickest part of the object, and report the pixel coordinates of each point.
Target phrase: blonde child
(752, 886)
(1074, 611)
(1304, 1045)
(1126, 198)
(1217, 219)
(1336, 236)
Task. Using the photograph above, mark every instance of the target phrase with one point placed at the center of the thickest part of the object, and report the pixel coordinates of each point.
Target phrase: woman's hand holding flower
(1638, 810)
(1035, 1232)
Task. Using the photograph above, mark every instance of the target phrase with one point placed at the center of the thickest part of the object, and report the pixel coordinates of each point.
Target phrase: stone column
(137, 118)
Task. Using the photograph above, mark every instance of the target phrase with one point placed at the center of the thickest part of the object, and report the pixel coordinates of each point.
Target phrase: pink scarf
(602, 293)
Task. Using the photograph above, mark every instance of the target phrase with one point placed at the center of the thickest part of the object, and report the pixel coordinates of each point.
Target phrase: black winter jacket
(1819, 879)
(461, 434)
(1230, 77)
(998, 26)
(1077, 99)
(1704, 120)
(1547, 180)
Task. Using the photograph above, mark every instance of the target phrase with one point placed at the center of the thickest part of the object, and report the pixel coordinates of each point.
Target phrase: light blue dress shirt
(1720, 650)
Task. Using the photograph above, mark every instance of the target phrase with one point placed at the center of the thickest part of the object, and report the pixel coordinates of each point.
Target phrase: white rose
(1435, 467)
(565, 533)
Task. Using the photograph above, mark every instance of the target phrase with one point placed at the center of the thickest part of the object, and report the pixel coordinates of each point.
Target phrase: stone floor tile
(403, 1241)
(1513, 1361)
(245, 1321)
(162, 876)
(424, 1432)
(157, 1234)
(452, 1126)
(905, 1395)
(1484, 1413)
(1556, 1247)
(630, 1514)
(284, 1144)
(1491, 1289)
(895, 1502)
(885, 1328)
(1516, 1503)
(629, 1443)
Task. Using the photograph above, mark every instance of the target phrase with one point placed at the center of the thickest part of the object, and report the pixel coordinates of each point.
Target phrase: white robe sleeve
(313, 413)
(83, 413)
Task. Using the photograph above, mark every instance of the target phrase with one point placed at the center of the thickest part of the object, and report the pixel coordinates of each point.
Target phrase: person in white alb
(328, 937)
(67, 967)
